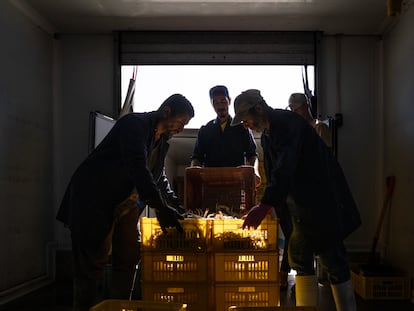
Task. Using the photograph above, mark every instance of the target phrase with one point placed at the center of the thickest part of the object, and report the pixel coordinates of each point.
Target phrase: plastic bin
(241, 267)
(228, 235)
(134, 305)
(230, 190)
(246, 295)
(174, 266)
(194, 238)
(381, 287)
(233, 308)
(195, 295)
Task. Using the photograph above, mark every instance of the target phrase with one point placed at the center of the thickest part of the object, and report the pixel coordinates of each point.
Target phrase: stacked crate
(227, 190)
(245, 264)
(175, 266)
(215, 264)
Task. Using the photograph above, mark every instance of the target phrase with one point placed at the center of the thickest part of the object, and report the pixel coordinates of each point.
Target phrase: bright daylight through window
(155, 83)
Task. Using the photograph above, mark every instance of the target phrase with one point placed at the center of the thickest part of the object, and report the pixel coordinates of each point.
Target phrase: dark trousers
(301, 256)
(90, 260)
(285, 222)
(333, 259)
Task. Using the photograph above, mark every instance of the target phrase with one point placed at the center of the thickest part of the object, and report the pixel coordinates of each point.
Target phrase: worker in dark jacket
(282, 214)
(307, 177)
(220, 145)
(127, 161)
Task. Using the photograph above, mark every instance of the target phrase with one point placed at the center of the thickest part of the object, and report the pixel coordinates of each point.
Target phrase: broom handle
(390, 182)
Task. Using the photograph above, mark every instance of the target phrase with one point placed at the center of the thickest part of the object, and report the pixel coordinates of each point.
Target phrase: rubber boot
(344, 296)
(307, 291)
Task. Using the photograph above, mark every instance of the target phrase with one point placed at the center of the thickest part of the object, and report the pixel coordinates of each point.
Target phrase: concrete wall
(349, 85)
(26, 156)
(399, 139)
(86, 76)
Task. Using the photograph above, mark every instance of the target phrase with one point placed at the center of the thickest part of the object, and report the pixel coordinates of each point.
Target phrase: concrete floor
(58, 296)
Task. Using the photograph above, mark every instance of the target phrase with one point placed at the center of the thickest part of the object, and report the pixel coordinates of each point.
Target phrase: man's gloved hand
(255, 215)
(168, 217)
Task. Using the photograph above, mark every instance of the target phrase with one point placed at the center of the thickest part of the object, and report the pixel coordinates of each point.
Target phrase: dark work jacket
(228, 148)
(304, 168)
(159, 175)
(109, 174)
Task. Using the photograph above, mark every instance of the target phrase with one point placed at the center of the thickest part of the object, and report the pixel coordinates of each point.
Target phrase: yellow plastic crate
(196, 296)
(233, 308)
(381, 287)
(240, 267)
(228, 235)
(133, 305)
(246, 295)
(194, 237)
(174, 266)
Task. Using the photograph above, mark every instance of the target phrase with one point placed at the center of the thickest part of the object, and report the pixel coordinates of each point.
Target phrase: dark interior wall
(87, 84)
(398, 89)
(26, 135)
(350, 86)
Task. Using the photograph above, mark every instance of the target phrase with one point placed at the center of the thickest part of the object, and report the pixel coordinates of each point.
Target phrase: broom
(373, 266)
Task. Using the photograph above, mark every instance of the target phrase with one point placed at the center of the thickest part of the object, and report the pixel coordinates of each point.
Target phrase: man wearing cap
(299, 103)
(220, 145)
(307, 178)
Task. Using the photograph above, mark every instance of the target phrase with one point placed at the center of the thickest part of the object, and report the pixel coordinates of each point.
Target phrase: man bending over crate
(130, 158)
(307, 177)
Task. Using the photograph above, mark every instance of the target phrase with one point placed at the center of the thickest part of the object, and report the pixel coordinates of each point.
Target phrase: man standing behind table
(308, 178)
(220, 145)
(95, 205)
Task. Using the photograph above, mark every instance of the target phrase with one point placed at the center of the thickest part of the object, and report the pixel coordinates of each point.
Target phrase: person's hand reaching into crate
(168, 217)
(255, 215)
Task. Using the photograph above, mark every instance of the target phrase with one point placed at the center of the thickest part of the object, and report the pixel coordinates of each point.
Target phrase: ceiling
(104, 16)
